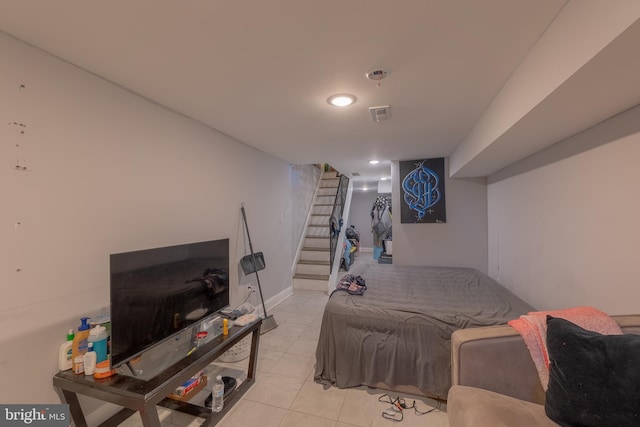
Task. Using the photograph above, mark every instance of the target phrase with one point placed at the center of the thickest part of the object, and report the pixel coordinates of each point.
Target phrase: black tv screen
(156, 293)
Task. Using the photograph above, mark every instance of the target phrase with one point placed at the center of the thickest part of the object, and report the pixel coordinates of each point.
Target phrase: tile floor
(285, 395)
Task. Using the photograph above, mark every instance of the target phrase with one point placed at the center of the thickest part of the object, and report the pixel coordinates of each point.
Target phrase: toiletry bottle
(78, 365)
(98, 336)
(65, 355)
(80, 341)
(90, 360)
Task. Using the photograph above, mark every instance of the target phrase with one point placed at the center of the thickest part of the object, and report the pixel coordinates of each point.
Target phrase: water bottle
(218, 395)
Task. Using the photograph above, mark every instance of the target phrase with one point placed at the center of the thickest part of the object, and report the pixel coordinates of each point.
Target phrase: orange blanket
(533, 328)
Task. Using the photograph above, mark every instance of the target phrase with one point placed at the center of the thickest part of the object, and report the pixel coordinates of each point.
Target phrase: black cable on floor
(398, 404)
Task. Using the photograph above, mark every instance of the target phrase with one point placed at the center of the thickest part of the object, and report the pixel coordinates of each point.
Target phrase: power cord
(394, 412)
(251, 291)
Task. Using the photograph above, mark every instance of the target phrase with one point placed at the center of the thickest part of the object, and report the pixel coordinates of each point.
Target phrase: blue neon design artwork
(423, 191)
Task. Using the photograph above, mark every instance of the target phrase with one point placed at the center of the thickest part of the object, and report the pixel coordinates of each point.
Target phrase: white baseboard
(275, 300)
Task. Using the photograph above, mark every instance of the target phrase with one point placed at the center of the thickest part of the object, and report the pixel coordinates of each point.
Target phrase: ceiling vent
(355, 173)
(380, 113)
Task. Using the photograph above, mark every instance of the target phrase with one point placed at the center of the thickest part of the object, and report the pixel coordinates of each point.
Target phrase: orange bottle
(81, 339)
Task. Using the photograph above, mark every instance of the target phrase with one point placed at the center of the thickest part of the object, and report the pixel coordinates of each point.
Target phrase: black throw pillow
(594, 379)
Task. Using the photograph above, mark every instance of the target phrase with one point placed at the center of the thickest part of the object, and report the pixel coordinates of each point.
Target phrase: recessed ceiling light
(374, 162)
(341, 100)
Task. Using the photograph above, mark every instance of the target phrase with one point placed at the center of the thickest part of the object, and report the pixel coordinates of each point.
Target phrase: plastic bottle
(90, 360)
(218, 395)
(65, 355)
(98, 336)
(80, 341)
(78, 365)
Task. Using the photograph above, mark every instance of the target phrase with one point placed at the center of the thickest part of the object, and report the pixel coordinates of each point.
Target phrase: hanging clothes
(380, 220)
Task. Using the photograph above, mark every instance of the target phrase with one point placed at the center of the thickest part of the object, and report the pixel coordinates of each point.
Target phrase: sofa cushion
(594, 379)
(471, 406)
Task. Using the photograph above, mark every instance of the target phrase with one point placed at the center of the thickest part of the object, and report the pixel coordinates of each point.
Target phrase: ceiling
(261, 71)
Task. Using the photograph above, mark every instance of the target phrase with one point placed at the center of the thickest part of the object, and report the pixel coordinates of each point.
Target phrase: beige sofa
(495, 382)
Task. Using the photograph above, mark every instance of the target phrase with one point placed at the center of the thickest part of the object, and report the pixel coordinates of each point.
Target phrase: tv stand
(131, 369)
(136, 395)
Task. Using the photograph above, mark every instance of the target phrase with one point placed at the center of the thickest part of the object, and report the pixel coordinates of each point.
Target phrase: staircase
(314, 266)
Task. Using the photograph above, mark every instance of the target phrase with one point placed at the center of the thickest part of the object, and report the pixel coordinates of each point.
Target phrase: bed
(397, 335)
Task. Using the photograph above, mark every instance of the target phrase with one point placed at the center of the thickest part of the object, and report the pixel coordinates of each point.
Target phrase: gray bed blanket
(399, 332)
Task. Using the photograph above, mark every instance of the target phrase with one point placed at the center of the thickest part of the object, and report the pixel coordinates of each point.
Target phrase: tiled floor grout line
(344, 401)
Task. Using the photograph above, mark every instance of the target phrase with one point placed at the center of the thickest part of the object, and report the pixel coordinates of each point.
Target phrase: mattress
(399, 332)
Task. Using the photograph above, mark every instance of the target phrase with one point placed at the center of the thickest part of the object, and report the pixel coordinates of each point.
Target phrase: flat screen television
(156, 293)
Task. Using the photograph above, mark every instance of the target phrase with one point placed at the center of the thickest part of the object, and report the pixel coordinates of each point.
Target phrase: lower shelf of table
(210, 418)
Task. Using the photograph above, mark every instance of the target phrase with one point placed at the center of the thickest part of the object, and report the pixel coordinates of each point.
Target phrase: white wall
(109, 172)
(460, 242)
(304, 181)
(563, 224)
(360, 216)
(582, 30)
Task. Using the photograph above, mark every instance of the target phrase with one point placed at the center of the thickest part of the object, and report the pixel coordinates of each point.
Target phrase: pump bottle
(80, 341)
